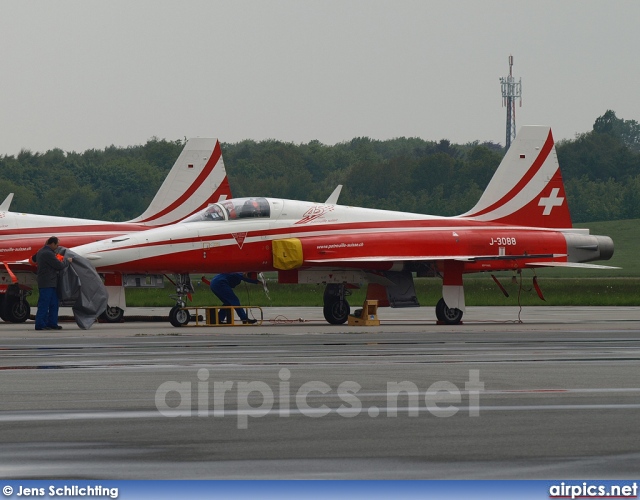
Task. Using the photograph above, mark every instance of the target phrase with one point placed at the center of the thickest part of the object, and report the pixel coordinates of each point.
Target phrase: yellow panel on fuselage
(287, 253)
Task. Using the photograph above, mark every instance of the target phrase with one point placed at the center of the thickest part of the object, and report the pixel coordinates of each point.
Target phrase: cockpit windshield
(240, 208)
(211, 213)
(237, 208)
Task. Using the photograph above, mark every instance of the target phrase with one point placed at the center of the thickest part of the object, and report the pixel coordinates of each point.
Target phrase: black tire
(439, 310)
(112, 315)
(336, 311)
(178, 316)
(15, 310)
(2, 307)
(446, 315)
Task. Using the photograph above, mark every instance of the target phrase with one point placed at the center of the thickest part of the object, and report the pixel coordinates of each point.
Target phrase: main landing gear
(14, 307)
(336, 308)
(177, 315)
(112, 314)
(446, 315)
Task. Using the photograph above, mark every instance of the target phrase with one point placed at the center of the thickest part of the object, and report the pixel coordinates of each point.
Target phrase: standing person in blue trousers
(222, 286)
(49, 263)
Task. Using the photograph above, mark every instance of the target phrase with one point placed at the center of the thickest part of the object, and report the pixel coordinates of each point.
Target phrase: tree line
(601, 169)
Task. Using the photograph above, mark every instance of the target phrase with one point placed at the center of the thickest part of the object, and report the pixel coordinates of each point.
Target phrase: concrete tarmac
(542, 392)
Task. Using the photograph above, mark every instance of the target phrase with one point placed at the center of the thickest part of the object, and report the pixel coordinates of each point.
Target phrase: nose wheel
(178, 316)
(336, 308)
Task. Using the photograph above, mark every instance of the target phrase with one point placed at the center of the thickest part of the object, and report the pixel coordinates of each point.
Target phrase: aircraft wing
(579, 265)
(464, 258)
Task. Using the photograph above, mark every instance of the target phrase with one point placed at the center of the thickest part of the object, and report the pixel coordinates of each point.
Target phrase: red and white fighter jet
(197, 179)
(521, 221)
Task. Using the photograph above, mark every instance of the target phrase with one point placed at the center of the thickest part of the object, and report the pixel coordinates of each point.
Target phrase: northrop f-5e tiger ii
(521, 221)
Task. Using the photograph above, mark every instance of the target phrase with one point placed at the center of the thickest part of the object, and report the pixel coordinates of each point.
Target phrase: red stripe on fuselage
(348, 251)
(115, 227)
(299, 231)
(20, 244)
(471, 239)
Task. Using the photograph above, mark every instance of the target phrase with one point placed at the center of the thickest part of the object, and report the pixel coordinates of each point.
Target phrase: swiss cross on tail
(527, 188)
(551, 201)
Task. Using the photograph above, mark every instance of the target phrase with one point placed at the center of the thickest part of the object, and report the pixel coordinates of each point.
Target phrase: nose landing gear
(179, 316)
(336, 308)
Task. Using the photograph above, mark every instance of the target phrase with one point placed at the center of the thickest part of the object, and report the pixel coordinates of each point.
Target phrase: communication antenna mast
(511, 90)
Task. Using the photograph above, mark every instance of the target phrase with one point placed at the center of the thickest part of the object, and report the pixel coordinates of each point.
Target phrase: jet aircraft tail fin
(197, 179)
(527, 188)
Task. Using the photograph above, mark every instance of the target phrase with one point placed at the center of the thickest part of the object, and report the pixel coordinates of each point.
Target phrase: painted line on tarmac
(372, 411)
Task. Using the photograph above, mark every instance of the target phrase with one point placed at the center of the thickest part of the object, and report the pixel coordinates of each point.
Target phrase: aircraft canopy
(236, 208)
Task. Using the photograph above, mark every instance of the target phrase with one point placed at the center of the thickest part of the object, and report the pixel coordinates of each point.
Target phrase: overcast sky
(80, 74)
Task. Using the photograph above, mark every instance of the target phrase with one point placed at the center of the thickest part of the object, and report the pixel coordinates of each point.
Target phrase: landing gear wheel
(112, 315)
(446, 315)
(336, 311)
(178, 316)
(15, 310)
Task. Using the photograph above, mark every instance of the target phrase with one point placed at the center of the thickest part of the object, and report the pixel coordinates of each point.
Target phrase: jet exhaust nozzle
(587, 248)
